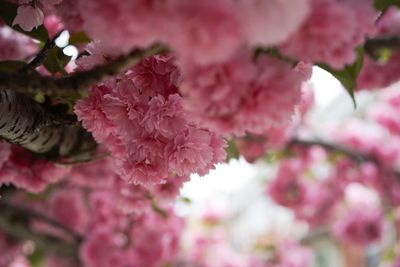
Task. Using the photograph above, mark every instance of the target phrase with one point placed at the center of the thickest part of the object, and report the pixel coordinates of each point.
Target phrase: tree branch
(33, 126)
(42, 55)
(76, 82)
(353, 154)
(374, 46)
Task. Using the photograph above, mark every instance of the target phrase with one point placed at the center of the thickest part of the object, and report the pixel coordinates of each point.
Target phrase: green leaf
(79, 38)
(56, 60)
(36, 258)
(348, 75)
(384, 4)
(8, 11)
(10, 66)
(232, 151)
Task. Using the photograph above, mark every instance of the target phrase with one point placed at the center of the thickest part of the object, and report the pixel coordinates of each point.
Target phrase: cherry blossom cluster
(140, 118)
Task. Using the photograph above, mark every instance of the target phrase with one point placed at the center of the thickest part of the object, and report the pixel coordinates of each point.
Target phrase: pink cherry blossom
(67, 207)
(154, 137)
(28, 17)
(360, 226)
(288, 188)
(240, 95)
(322, 39)
(271, 22)
(209, 30)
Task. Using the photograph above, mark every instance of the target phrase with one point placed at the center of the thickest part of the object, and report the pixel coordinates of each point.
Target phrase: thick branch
(29, 124)
(74, 83)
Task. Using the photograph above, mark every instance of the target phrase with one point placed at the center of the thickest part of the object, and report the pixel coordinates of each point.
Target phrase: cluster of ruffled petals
(140, 119)
(110, 237)
(288, 188)
(361, 225)
(23, 170)
(332, 32)
(201, 31)
(242, 95)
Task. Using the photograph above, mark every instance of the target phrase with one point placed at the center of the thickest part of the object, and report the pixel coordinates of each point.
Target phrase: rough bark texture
(31, 125)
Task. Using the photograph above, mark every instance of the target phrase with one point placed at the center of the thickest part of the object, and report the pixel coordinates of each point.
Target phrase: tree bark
(33, 126)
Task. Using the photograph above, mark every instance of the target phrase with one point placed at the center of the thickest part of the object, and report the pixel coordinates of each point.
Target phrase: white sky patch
(326, 87)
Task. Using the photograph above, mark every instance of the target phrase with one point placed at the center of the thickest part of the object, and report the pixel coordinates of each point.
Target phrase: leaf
(348, 75)
(36, 258)
(79, 38)
(232, 151)
(10, 66)
(56, 60)
(8, 11)
(384, 4)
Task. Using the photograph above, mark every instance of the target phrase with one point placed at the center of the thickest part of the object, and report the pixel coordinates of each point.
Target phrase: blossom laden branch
(75, 83)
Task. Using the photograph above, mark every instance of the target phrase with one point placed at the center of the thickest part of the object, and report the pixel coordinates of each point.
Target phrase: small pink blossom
(360, 226)
(288, 188)
(68, 208)
(28, 17)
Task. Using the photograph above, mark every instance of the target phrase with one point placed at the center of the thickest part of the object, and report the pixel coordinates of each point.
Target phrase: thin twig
(353, 154)
(42, 54)
(375, 45)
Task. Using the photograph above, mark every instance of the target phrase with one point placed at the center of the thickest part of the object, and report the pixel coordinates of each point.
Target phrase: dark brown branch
(73, 84)
(42, 55)
(15, 223)
(374, 46)
(353, 154)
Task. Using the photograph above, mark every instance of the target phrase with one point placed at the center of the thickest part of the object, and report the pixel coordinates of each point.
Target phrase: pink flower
(288, 189)
(139, 117)
(14, 45)
(68, 208)
(164, 234)
(360, 226)
(165, 116)
(252, 147)
(25, 171)
(268, 23)
(135, 23)
(53, 25)
(204, 32)
(70, 14)
(322, 37)
(190, 152)
(101, 248)
(240, 96)
(376, 75)
(28, 17)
